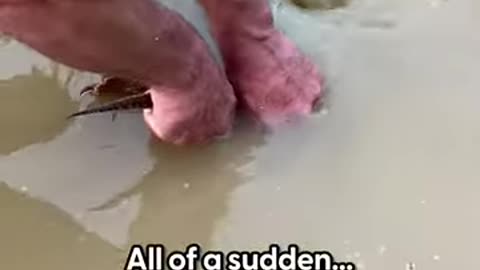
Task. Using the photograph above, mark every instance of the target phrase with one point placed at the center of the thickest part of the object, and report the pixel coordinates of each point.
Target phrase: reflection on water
(37, 236)
(29, 111)
(171, 205)
(182, 206)
(387, 177)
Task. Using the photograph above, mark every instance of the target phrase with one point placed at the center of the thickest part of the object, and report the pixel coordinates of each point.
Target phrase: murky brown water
(386, 176)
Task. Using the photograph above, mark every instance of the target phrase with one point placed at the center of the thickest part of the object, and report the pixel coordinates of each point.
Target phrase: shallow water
(385, 175)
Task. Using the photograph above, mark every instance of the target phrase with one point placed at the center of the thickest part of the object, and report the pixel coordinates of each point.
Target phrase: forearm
(174, 53)
(139, 39)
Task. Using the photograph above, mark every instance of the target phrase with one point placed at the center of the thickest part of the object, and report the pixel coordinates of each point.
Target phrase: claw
(138, 101)
(114, 85)
(88, 89)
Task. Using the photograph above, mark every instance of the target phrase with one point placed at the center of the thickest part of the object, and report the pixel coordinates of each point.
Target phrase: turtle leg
(120, 93)
(114, 86)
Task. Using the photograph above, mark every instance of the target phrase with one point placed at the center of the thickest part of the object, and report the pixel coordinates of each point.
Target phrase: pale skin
(194, 100)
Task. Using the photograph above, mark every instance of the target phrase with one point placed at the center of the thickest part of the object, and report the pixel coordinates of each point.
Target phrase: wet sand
(384, 175)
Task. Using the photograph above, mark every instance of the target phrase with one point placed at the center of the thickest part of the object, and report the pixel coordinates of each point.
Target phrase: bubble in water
(125, 202)
(381, 249)
(24, 189)
(434, 3)
(410, 266)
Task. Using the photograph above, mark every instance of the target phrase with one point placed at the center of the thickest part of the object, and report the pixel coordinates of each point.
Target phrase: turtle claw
(130, 95)
(115, 86)
(138, 101)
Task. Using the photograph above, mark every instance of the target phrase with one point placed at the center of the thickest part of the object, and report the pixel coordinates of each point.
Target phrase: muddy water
(387, 174)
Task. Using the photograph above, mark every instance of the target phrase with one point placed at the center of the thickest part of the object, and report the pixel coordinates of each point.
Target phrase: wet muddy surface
(386, 174)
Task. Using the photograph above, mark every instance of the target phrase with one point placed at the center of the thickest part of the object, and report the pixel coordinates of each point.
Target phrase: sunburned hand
(271, 76)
